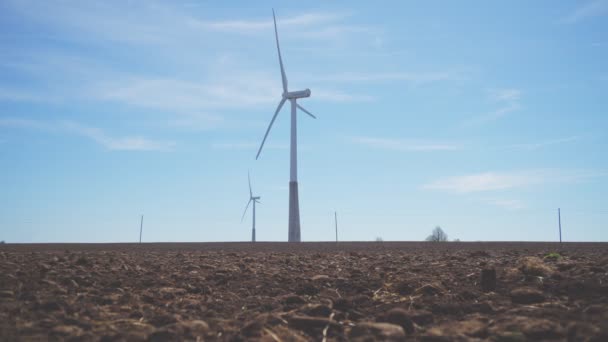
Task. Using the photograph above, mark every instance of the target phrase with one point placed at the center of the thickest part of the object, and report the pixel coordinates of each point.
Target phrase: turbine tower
(254, 199)
(292, 96)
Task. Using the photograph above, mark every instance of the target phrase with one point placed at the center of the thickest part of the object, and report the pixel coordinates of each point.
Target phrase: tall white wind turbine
(292, 96)
(254, 199)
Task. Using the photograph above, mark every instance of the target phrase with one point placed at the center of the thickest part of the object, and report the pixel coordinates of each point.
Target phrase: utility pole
(559, 220)
(141, 227)
(336, 221)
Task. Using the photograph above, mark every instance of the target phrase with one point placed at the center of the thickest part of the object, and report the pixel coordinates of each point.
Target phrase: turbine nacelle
(296, 94)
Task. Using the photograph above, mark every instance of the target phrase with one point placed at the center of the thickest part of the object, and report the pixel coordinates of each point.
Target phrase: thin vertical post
(336, 222)
(141, 227)
(253, 224)
(559, 220)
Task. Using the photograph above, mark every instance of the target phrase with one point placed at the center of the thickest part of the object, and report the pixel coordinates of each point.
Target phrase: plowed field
(308, 291)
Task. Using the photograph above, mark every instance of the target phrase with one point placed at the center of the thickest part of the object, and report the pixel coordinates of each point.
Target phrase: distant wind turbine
(294, 206)
(254, 199)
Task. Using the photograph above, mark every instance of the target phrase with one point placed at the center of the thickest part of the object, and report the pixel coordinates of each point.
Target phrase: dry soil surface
(308, 291)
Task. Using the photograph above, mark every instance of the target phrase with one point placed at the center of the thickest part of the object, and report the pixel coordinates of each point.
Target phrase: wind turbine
(292, 96)
(254, 199)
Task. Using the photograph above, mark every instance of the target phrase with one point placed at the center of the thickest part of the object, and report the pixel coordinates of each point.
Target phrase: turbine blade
(245, 212)
(270, 126)
(276, 35)
(305, 111)
(249, 179)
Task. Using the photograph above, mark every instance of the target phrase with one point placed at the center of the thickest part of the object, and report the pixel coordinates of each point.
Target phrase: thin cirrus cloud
(413, 77)
(182, 95)
(545, 143)
(495, 181)
(167, 23)
(508, 94)
(588, 10)
(105, 20)
(128, 143)
(15, 95)
(331, 95)
(493, 115)
(247, 26)
(405, 144)
(312, 25)
(509, 204)
(508, 101)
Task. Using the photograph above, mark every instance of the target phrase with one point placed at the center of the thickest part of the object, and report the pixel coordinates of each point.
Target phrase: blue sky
(481, 117)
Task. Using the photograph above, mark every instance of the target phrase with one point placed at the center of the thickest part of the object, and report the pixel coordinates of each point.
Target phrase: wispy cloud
(27, 123)
(509, 204)
(180, 95)
(197, 121)
(106, 20)
(418, 78)
(492, 181)
(330, 95)
(163, 23)
(334, 32)
(590, 9)
(493, 115)
(544, 143)
(249, 26)
(18, 95)
(506, 99)
(509, 95)
(405, 144)
(307, 26)
(128, 143)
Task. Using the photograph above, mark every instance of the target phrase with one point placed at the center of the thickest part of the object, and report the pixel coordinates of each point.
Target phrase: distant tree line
(437, 235)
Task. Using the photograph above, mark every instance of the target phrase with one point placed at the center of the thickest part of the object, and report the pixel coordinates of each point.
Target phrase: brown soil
(308, 291)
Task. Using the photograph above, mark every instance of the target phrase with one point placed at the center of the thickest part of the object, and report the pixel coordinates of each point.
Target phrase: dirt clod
(526, 295)
(542, 329)
(376, 331)
(421, 317)
(488, 279)
(399, 317)
(312, 325)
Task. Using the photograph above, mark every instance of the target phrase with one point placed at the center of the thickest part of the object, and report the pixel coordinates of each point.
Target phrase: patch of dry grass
(534, 266)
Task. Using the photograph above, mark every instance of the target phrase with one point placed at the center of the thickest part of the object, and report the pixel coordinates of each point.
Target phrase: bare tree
(438, 235)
